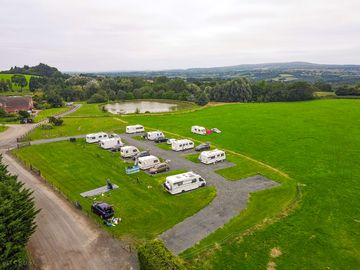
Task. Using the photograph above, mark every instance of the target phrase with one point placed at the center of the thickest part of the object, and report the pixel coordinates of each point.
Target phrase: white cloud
(89, 35)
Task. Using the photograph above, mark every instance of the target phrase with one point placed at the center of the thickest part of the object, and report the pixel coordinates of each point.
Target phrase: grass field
(2, 128)
(145, 207)
(317, 144)
(15, 87)
(49, 112)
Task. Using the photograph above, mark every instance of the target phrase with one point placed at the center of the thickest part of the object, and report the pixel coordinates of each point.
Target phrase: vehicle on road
(160, 140)
(147, 162)
(181, 145)
(216, 130)
(159, 168)
(128, 151)
(202, 147)
(96, 137)
(152, 135)
(179, 183)
(135, 129)
(111, 143)
(170, 141)
(198, 130)
(213, 156)
(141, 154)
(104, 210)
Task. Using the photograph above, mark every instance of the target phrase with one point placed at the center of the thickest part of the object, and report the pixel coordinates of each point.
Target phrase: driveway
(232, 197)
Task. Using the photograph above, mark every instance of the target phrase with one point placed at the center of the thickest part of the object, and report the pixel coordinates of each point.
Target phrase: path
(65, 238)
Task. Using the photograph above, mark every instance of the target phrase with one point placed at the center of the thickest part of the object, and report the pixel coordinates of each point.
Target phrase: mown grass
(44, 114)
(90, 110)
(2, 128)
(145, 207)
(317, 144)
(15, 87)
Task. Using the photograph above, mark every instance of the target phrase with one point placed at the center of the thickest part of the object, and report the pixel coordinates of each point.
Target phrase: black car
(160, 140)
(103, 210)
(202, 147)
(141, 154)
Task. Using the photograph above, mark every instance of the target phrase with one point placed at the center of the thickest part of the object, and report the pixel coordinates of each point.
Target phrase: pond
(140, 106)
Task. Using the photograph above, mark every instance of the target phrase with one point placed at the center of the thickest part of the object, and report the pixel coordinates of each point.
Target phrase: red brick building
(13, 104)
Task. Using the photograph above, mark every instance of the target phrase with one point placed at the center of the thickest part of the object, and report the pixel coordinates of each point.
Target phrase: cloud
(86, 35)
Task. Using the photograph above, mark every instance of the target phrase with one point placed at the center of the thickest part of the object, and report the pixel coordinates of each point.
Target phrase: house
(12, 104)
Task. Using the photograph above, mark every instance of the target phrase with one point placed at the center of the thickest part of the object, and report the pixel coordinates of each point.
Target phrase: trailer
(198, 130)
(111, 143)
(147, 162)
(179, 183)
(128, 151)
(181, 145)
(135, 129)
(213, 156)
(96, 137)
(132, 169)
(153, 135)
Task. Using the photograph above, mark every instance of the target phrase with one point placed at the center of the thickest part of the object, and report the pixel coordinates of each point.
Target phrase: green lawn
(49, 112)
(317, 144)
(15, 87)
(145, 207)
(2, 128)
(90, 110)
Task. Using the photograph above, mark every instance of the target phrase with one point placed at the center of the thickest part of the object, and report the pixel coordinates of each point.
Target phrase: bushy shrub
(55, 121)
(46, 126)
(96, 98)
(153, 255)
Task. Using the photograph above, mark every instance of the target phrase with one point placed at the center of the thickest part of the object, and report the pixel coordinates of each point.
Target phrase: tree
(56, 121)
(24, 114)
(300, 91)
(96, 98)
(54, 100)
(19, 80)
(35, 83)
(201, 98)
(236, 90)
(3, 86)
(17, 220)
(91, 88)
(323, 86)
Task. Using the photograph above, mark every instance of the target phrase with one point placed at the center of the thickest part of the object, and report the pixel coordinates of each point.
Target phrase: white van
(198, 130)
(153, 135)
(183, 182)
(147, 162)
(181, 145)
(128, 151)
(96, 137)
(134, 129)
(213, 156)
(111, 143)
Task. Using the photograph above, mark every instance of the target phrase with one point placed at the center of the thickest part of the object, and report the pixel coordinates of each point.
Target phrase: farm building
(12, 104)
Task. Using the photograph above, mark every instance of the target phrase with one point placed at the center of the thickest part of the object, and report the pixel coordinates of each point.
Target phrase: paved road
(232, 197)
(65, 238)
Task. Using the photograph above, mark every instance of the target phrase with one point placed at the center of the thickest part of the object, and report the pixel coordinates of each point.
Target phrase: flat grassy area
(90, 110)
(145, 207)
(79, 126)
(49, 112)
(2, 128)
(15, 87)
(314, 142)
(16, 93)
(317, 144)
(324, 94)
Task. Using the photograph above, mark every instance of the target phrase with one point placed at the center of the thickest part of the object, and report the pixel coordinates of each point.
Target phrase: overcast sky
(94, 35)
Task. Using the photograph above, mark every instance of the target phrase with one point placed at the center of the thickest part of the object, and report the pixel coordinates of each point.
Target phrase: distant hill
(39, 70)
(268, 71)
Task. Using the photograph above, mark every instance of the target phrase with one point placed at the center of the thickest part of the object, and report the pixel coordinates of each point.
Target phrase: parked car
(202, 147)
(158, 168)
(216, 130)
(160, 140)
(170, 141)
(102, 209)
(26, 121)
(141, 154)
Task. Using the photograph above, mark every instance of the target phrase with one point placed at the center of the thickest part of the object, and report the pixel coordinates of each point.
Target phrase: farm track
(65, 238)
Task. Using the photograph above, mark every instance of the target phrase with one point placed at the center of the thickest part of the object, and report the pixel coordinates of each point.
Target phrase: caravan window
(222, 154)
(193, 181)
(212, 157)
(155, 161)
(179, 184)
(93, 138)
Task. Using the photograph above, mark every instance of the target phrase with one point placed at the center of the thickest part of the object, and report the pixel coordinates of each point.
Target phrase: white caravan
(183, 182)
(111, 143)
(198, 130)
(181, 145)
(213, 156)
(134, 129)
(96, 137)
(128, 151)
(147, 162)
(153, 135)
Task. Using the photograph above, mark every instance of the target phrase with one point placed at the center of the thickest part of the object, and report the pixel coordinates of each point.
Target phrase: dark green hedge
(153, 255)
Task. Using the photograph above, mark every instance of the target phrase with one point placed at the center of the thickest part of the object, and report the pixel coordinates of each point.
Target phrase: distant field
(15, 87)
(324, 94)
(42, 115)
(145, 207)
